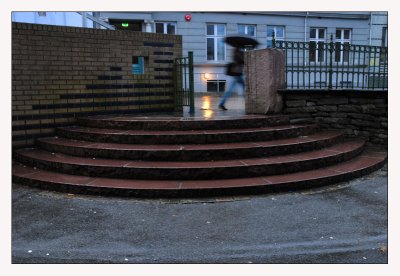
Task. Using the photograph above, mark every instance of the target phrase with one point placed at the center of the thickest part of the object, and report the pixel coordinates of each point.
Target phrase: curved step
(189, 152)
(365, 163)
(129, 122)
(183, 136)
(190, 170)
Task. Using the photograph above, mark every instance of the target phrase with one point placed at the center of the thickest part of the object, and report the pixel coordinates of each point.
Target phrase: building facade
(203, 33)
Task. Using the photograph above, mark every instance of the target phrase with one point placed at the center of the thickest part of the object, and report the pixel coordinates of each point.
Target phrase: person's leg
(241, 81)
(227, 93)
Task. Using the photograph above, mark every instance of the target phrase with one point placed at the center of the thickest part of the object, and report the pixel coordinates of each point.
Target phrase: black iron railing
(333, 65)
(184, 83)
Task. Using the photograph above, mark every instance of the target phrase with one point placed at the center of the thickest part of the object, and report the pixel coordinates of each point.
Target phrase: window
(216, 85)
(215, 42)
(317, 40)
(126, 24)
(342, 45)
(137, 65)
(165, 27)
(249, 30)
(277, 31)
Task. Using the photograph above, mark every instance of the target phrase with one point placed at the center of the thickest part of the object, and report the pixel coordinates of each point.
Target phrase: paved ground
(207, 106)
(344, 223)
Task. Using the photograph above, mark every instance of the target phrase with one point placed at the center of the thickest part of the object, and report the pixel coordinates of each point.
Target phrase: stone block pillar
(264, 73)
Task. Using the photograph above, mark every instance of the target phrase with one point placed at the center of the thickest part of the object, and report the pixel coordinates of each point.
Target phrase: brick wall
(60, 73)
(358, 113)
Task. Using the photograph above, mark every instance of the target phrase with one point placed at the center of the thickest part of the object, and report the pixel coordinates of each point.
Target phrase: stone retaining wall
(358, 113)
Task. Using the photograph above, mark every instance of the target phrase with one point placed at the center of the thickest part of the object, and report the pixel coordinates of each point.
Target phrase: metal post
(273, 39)
(330, 62)
(191, 84)
(217, 83)
(175, 86)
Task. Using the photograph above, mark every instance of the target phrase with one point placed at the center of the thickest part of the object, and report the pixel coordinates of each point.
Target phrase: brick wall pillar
(264, 75)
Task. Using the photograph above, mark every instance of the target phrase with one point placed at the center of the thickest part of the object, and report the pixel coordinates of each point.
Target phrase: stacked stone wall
(358, 113)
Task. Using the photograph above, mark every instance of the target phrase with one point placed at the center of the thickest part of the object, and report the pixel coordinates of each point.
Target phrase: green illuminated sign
(125, 24)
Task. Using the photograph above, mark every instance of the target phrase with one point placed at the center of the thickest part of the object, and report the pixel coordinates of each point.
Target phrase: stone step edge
(197, 170)
(349, 145)
(189, 152)
(185, 137)
(153, 123)
(144, 133)
(155, 118)
(201, 188)
(109, 131)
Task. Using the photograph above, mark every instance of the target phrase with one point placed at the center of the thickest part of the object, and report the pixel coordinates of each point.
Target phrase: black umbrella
(241, 41)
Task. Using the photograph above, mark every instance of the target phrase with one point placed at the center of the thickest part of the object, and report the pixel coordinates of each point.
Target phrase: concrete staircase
(194, 157)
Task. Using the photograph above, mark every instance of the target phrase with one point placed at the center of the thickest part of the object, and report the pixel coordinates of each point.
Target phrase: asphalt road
(344, 223)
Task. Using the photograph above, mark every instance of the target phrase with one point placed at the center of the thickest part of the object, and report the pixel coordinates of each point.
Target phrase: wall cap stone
(336, 92)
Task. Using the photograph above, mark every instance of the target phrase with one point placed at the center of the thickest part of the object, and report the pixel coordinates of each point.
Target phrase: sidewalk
(344, 223)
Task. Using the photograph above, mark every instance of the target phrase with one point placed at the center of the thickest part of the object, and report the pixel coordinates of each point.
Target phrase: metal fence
(334, 65)
(184, 83)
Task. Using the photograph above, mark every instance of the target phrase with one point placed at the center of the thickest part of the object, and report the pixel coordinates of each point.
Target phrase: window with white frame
(342, 45)
(317, 40)
(249, 30)
(165, 27)
(215, 42)
(277, 31)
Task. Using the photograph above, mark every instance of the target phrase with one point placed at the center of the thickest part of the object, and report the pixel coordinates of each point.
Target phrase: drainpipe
(305, 28)
(370, 28)
(305, 34)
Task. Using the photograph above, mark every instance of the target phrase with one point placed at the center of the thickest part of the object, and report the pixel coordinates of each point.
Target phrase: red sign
(188, 17)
